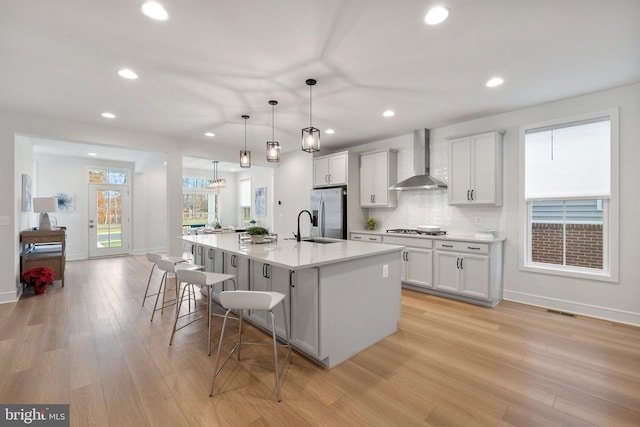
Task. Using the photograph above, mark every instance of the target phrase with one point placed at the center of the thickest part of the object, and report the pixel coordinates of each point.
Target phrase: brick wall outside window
(584, 244)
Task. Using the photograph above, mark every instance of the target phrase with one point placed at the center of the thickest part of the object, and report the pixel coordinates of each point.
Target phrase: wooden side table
(44, 248)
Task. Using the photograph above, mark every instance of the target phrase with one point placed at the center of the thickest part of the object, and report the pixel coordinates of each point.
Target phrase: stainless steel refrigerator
(329, 210)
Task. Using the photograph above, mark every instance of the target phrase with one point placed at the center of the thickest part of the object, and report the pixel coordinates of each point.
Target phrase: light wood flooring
(449, 364)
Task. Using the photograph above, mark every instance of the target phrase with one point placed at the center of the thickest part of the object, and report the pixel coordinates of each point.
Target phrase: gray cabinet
(469, 269)
(378, 171)
(330, 170)
(475, 170)
(417, 260)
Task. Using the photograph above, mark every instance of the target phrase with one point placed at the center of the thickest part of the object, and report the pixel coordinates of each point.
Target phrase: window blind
(245, 193)
(572, 161)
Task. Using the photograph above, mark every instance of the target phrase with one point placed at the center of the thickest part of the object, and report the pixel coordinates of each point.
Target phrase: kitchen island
(341, 296)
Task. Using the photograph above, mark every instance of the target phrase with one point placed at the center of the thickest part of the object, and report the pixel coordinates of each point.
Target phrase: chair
(151, 257)
(193, 278)
(252, 300)
(169, 267)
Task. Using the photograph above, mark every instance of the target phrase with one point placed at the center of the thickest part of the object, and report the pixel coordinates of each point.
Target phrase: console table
(44, 248)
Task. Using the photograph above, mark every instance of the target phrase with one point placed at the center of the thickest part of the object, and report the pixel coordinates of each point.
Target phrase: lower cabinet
(417, 260)
(468, 269)
(300, 288)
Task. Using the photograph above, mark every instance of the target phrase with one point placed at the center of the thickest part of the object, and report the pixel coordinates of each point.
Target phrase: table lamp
(43, 205)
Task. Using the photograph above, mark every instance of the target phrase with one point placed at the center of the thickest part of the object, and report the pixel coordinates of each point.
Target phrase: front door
(108, 220)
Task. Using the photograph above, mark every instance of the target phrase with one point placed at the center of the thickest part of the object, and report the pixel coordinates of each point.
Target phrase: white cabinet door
(304, 311)
(460, 171)
(259, 282)
(419, 264)
(338, 169)
(367, 165)
(380, 179)
(446, 276)
(484, 169)
(475, 165)
(474, 275)
(279, 278)
(377, 174)
(321, 172)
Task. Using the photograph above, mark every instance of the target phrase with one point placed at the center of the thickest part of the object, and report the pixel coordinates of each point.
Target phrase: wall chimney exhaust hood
(422, 180)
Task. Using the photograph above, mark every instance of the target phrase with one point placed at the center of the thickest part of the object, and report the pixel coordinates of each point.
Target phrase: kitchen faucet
(310, 220)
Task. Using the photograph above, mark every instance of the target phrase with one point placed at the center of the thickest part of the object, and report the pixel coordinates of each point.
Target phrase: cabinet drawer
(407, 241)
(366, 237)
(471, 247)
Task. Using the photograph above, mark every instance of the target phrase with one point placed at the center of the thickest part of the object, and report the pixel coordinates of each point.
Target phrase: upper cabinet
(378, 171)
(330, 170)
(475, 169)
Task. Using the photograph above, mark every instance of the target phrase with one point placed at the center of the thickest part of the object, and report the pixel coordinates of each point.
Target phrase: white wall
(615, 301)
(293, 181)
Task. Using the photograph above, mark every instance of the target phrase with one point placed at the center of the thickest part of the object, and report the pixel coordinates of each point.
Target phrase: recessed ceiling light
(436, 15)
(495, 81)
(329, 131)
(210, 134)
(127, 74)
(154, 10)
(389, 113)
(91, 154)
(108, 115)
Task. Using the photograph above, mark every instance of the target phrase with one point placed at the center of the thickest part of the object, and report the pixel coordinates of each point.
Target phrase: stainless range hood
(422, 180)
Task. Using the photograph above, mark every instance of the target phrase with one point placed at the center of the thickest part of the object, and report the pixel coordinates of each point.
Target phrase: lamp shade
(45, 204)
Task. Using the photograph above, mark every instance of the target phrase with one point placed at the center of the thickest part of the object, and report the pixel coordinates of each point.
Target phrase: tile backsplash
(419, 207)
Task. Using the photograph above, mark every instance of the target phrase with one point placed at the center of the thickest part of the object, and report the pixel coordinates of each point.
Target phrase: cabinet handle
(265, 271)
(210, 253)
(233, 261)
(329, 177)
(373, 239)
(374, 198)
(200, 250)
(458, 262)
(472, 248)
(357, 238)
(326, 178)
(461, 261)
(193, 250)
(447, 246)
(291, 279)
(468, 194)
(472, 198)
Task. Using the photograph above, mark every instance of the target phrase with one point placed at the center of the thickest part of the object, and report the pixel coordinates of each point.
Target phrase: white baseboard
(605, 313)
(7, 297)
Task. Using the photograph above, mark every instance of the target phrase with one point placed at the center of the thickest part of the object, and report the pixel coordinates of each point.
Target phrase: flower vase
(39, 289)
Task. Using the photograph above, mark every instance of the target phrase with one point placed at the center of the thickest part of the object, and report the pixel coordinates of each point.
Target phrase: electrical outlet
(478, 220)
(4, 220)
(385, 270)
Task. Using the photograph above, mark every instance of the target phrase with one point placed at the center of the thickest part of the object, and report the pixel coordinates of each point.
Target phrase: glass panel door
(108, 220)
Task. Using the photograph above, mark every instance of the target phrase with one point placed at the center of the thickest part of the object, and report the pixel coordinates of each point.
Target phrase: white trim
(596, 311)
(611, 221)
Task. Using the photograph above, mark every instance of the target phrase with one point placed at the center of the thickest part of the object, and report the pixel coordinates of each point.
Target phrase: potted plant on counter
(39, 278)
(257, 234)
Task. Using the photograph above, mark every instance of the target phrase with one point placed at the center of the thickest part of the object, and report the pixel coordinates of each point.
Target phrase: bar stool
(253, 300)
(169, 267)
(151, 257)
(193, 278)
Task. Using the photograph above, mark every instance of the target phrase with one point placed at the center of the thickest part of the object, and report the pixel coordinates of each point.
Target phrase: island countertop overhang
(292, 254)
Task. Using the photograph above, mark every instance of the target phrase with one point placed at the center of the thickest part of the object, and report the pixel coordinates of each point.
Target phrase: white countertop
(448, 236)
(292, 254)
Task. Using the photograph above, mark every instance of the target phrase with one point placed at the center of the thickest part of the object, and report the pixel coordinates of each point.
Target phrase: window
(200, 205)
(245, 200)
(107, 176)
(570, 197)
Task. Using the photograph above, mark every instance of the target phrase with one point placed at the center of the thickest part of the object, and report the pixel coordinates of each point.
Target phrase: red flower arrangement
(39, 278)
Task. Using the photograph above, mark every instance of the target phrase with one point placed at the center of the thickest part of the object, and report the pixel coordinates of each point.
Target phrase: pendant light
(310, 135)
(273, 147)
(217, 182)
(245, 156)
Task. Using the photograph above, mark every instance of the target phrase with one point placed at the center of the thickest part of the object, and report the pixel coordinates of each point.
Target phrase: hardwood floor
(450, 364)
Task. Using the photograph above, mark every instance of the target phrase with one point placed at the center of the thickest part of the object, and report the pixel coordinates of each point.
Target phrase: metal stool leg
(275, 354)
(175, 323)
(162, 282)
(146, 291)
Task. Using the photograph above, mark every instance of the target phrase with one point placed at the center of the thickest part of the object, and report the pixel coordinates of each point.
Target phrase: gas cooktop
(413, 231)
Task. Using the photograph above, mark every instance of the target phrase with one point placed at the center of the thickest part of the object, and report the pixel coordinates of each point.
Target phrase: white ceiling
(215, 60)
